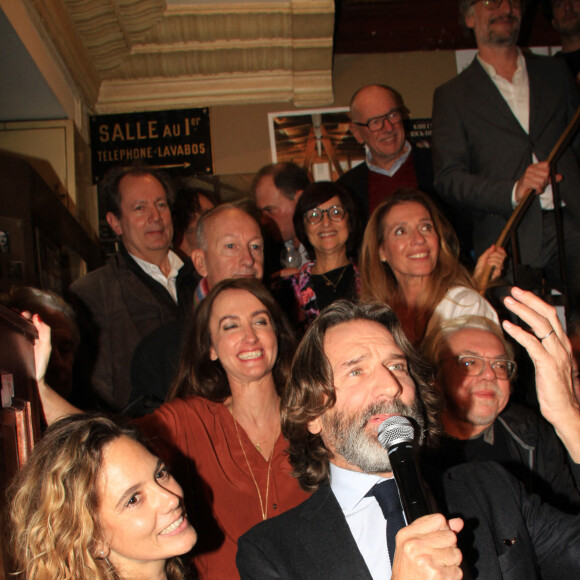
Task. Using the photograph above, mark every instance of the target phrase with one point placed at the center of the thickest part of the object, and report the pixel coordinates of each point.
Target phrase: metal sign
(178, 141)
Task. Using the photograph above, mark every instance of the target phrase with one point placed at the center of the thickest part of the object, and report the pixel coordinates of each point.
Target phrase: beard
(347, 435)
(569, 29)
(505, 38)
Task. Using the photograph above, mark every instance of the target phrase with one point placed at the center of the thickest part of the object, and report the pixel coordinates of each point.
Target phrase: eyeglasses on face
(377, 123)
(493, 4)
(472, 366)
(335, 213)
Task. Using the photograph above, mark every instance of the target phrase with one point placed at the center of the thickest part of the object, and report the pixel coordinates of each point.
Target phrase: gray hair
(465, 6)
(435, 343)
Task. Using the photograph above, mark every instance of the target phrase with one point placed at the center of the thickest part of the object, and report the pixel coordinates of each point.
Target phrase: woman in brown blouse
(220, 430)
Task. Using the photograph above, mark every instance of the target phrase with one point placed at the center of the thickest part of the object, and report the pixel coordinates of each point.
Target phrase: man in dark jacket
(377, 117)
(377, 114)
(494, 126)
(475, 366)
(355, 368)
(142, 286)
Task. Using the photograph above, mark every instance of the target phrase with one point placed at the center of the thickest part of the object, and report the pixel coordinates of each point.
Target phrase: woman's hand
(54, 406)
(494, 257)
(42, 345)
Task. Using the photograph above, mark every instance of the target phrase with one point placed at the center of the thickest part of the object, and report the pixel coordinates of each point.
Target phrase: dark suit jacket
(480, 150)
(117, 306)
(508, 534)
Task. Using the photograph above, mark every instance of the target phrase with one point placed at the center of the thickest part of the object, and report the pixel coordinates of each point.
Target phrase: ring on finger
(544, 337)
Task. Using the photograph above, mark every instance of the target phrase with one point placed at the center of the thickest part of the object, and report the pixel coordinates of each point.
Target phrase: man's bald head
(382, 103)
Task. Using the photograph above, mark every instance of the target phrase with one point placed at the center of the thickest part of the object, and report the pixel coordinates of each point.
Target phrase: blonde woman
(93, 503)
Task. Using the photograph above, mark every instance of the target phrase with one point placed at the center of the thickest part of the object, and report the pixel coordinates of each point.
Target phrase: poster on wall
(177, 141)
(317, 139)
(418, 132)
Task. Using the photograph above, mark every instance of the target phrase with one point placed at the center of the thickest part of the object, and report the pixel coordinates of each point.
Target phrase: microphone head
(395, 430)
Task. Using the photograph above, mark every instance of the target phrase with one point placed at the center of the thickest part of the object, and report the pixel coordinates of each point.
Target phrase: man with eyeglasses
(377, 113)
(493, 128)
(475, 366)
(565, 17)
(353, 369)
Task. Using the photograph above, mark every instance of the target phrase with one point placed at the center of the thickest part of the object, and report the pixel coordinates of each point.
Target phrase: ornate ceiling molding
(129, 55)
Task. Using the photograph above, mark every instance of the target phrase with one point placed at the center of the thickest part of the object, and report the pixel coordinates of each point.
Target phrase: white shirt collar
(175, 263)
(395, 167)
(350, 487)
(168, 282)
(492, 72)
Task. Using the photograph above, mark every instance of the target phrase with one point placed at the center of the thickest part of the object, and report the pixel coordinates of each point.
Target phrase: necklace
(329, 282)
(263, 505)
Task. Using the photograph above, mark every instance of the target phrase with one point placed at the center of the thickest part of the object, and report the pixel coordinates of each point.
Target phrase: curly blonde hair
(378, 281)
(54, 502)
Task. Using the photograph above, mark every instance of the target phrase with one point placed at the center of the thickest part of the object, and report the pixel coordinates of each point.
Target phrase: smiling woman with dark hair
(220, 429)
(326, 222)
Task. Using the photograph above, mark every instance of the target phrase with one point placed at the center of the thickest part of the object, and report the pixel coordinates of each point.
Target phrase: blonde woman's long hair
(54, 503)
(378, 281)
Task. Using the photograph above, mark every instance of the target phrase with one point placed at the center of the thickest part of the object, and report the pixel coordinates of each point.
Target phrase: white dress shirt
(168, 282)
(364, 517)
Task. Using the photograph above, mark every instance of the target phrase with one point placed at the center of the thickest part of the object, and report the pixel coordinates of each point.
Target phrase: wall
(61, 157)
(241, 142)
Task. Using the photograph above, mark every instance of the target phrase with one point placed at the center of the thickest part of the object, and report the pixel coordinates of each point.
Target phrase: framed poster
(316, 139)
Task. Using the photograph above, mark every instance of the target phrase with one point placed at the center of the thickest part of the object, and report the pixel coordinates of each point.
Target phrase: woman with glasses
(326, 222)
(410, 260)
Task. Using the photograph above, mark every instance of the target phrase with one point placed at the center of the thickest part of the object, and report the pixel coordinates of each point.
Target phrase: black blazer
(508, 534)
(480, 149)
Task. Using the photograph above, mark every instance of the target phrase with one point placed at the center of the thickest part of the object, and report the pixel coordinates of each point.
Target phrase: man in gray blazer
(353, 369)
(493, 128)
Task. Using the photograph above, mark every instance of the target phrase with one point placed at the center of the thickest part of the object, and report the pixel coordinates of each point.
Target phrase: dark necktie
(387, 494)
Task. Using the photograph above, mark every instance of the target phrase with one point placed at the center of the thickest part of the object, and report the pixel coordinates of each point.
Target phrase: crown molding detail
(131, 55)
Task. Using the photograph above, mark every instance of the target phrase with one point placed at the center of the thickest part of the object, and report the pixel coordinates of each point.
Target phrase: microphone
(396, 435)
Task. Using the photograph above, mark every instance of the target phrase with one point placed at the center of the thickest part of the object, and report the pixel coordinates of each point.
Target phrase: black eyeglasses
(472, 366)
(335, 213)
(377, 123)
(493, 4)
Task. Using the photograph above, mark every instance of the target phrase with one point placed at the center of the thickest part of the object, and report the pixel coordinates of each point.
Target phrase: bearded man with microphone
(357, 384)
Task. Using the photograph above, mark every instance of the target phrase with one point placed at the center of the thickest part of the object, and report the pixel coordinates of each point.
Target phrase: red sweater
(382, 186)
